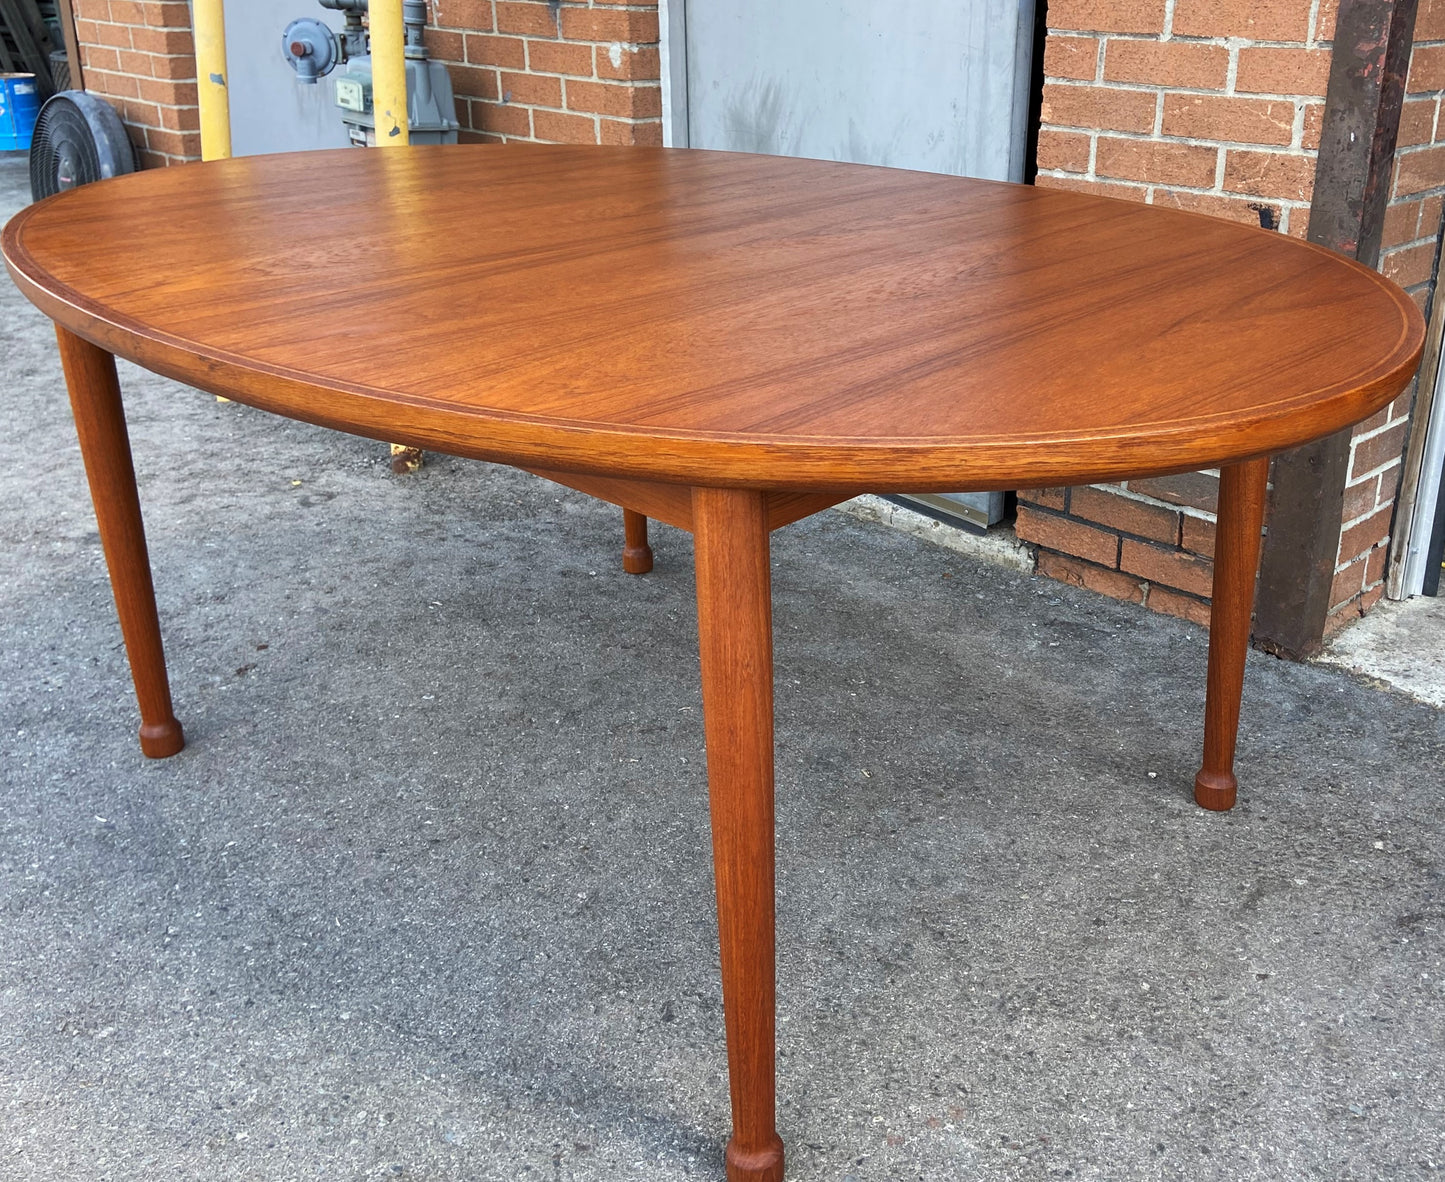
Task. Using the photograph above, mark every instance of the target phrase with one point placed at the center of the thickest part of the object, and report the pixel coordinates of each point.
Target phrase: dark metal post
(1352, 188)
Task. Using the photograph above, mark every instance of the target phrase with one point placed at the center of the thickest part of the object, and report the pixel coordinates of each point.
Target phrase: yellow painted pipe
(393, 130)
(215, 99)
(388, 74)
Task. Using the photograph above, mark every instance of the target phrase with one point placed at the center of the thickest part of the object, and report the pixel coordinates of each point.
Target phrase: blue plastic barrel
(19, 105)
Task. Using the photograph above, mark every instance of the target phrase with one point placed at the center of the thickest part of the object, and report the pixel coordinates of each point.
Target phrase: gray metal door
(270, 110)
(935, 85)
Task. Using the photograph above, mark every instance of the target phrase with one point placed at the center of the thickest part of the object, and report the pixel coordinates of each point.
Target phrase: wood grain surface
(714, 318)
(735, 644)
(105, 448)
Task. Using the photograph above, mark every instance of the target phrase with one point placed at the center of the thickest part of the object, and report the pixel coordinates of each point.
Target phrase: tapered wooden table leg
(1236, 566)
(735, 637)
(636, 553)
(105, 448)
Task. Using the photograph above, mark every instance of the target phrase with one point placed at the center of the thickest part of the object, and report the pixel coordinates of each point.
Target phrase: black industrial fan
(78, 139)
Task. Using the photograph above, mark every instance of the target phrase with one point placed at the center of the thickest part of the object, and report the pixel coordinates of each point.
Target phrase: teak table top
(722, 318)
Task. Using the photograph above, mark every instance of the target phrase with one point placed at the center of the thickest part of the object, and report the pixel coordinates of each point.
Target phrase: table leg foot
(636, 553)
(1215, 791)
(161, 739)
(757, 1165)
(735, 642)
(1242, 490)
(105, 449)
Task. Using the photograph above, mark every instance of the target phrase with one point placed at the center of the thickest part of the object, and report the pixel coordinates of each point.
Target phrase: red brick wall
(579, 71)
(1208, 105)
(140, 56)
(572, 73)
(1216, 106)
(1147, 541)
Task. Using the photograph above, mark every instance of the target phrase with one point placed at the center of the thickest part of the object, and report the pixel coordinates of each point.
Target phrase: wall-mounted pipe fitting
(311, 48)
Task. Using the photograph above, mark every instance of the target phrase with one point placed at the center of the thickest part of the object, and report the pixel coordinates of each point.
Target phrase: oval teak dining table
(727, 343)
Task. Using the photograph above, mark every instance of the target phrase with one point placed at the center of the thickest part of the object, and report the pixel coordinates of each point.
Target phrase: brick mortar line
(1354, 521)
(1193, 39)
(1376, 473)
(165, 57)
(1289, 202)
(159, 57)
(1146, 499)
(1202, 92)
(1413, 244)
(1286, 202)
(1362, 555)
(518, 106)
(1370, 480)
(633, 45)
(1251, 201)
(1297, 129)
(114, 24)
(1146, 584)
(1116, 531)
(1374, 432)
(590, 79)
(1194, 141)
(1228, 145)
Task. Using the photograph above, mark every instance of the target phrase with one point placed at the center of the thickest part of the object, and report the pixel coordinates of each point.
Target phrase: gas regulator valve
(310, 46)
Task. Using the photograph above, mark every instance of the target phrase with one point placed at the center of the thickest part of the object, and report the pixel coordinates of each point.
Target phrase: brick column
(141, 58)
(572, 73)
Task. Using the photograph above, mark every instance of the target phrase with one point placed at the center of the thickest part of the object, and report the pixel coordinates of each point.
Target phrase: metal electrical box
(277, 106)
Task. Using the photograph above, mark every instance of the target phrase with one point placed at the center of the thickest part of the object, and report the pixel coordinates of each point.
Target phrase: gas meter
(314, 51)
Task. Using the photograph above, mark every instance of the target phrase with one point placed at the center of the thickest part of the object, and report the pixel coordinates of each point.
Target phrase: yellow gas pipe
(209, 22)
(388, 74)
(393, 127)
(215, 101)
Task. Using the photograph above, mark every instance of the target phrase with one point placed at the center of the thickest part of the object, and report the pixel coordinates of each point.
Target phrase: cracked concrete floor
(428, 895)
